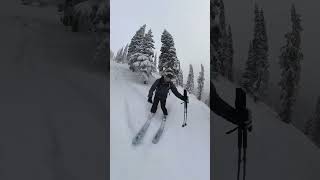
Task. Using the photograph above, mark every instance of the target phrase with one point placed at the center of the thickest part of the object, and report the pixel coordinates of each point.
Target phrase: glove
(247, 119)
(185, 98)
(150, 100)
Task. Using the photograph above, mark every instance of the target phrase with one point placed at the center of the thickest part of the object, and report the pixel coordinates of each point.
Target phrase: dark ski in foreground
(138, 138)
(156, 138)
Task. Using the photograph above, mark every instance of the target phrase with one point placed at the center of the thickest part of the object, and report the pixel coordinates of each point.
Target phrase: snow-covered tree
(125, 54)
(312, 126)
(119, 56)
(136, 46)
(290, 58)
(180, 77)
(200, 83)
(255, 79)
(215, 38)
(250, 72)
(90, 12)
(229, 55)
(220, 42)
(190, 82)
(168, 57)
(141, 53)
(155, 59)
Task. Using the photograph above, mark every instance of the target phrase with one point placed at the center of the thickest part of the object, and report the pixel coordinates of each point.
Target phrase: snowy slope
(276, 150)
(182, 153)
(52, 107)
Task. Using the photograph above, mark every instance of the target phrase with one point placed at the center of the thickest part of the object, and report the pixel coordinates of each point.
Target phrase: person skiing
(162, 87)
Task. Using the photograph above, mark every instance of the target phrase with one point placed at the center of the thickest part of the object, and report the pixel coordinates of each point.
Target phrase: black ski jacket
(162, 89)
(220, 107)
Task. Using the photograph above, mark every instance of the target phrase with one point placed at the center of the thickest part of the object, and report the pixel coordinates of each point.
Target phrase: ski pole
(240, 105)
(185, 113)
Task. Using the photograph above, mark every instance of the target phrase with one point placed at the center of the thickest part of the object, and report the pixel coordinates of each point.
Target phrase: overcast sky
(187, 21)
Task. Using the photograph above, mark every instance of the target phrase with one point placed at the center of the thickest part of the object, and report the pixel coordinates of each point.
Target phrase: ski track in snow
(172, 157)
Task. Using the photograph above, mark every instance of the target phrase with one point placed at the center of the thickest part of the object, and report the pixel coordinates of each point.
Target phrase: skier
(162, 87)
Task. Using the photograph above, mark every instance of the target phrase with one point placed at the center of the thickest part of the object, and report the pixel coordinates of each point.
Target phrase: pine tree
(136, 45)
(215, 38)
(312, 127)
(119, 59)
(168, 58)
(290, 58)
(190, 82)
(229, 52)
(155, 62)
(125, 54)
(141, 61)
(263, 49)
(180, 77)
(250, 71)
(255, 79)
(200, 83)
(220, 47)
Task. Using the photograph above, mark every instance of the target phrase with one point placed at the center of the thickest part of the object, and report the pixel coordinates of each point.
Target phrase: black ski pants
(156, 101)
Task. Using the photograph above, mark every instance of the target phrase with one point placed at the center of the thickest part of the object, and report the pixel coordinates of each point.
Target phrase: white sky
(187, 20)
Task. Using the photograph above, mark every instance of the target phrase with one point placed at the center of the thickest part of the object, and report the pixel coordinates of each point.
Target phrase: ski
(156, 138)
(138, 138)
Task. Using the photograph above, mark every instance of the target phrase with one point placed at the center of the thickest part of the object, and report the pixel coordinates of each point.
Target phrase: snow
(169, 159)
(275, 150)
(52, 106)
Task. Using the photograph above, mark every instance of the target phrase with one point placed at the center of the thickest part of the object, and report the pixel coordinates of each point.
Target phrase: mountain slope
(275, 150)
(182, 153)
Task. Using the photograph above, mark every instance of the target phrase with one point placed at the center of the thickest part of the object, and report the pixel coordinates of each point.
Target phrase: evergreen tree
(120, 56)
(250, 71)
(200, 83)
(262, 51)
(136, 45)
(312, 126)
(256, 76)
(155, 62)
(190, 82)
(220, 41)
(229, 52)
(215, 38)
(168, 58)
(290, 58)
(180, 77)
(125, 54)
(148, 45)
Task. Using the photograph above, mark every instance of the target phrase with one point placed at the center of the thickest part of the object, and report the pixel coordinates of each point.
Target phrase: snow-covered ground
(275, 150)
(182, 153)
(53, 104)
